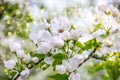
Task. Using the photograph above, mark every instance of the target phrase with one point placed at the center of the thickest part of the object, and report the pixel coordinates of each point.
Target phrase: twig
(99, 58)
(94, 50)
(18, 75)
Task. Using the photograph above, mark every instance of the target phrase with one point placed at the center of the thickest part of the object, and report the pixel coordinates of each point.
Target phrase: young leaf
(59, 77)
(58, 58)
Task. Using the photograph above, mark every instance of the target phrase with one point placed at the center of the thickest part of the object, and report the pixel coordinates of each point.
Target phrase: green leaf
(12, 74)
(91, 44)
(79, 44)
(40, 56)
(59, 77)
(97, 27)
(58, 58)
(112, 69)
(88, 45)
(22, 34)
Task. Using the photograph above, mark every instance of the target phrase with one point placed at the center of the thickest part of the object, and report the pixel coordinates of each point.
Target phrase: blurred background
(19, 17)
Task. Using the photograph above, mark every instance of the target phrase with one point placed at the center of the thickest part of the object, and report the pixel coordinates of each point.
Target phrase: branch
(99, 58)
(93, 51)
(18, 75)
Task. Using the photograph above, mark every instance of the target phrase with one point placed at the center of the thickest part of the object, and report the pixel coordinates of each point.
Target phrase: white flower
(65, 35)
(74, 76)
(25, 73)
(59, 25)
(60, 69)
(44, 24)
(64, 21)
(43, 35)
(98, 33)
(33, 37)
(35, 59)
(86, 38)
(15, 46)
(69, 67)
(73, 63)
(109, 23)
(20, 53)
(20, 78)
(75, 34)
(34, 12)
(43, 48)
(78, 57)
(27, 58)
(48, 60)
(10, 64)
(57, 42)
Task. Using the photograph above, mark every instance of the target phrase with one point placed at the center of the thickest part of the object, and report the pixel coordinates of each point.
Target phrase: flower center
(60, 30)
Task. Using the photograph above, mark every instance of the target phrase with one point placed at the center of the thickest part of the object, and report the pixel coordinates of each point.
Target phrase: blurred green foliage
(16, 20)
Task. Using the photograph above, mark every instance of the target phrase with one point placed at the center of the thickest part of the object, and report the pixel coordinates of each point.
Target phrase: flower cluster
(62, 45)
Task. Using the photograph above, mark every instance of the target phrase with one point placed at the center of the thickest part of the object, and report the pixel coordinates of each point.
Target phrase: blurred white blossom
(25, 73)
(48, 60)
(20, 53)
(10, 64)
(57, 42)
(35, 59)
(15, 46)
(27, 58)
(74, 76)
(60, 69)
(43, 48)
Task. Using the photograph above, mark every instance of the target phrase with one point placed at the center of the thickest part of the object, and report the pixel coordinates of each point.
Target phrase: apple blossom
(27, 58)
(57, 42)
(86, 38)
(98, 33)
(15, 46)
(25, 73)
(20, 53)
(35, 59)
(69, 67)
(75, 34)
(10, 64)
(33, 37)
(60, 69)
(48, 60)
(44, 24)
(109, 23)
(43, 48)
(43, 35)
(65, 35)
(59, 25)
(74, 76)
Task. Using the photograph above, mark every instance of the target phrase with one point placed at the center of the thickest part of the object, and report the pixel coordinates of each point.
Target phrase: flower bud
(27, 59)
(48, 60)
(35, 59)
(60, 69)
